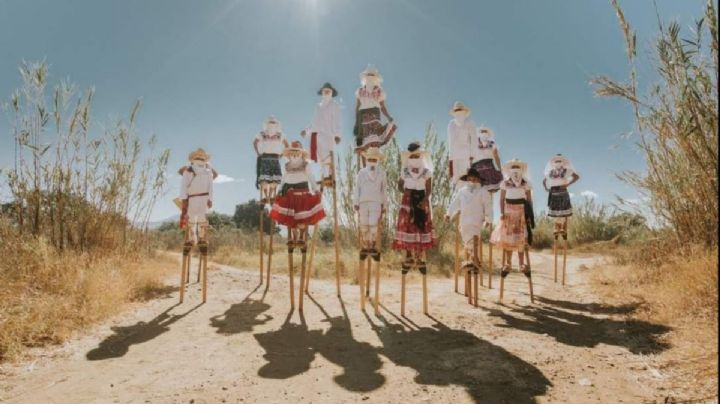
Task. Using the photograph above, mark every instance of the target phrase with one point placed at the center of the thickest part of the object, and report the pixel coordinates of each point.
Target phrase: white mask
(372, 164)
(199, 163)
(415, 163)
(516, 175)
(558, 164)
(325, 98)
(295, 159)
(370, 81)
(460, 116)
(272, 127)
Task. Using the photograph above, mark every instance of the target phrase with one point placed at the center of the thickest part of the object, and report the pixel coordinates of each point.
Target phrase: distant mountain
(155, 224)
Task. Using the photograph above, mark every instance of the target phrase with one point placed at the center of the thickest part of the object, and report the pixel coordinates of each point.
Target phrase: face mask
(516, 175)
(473, 185)
(460, 116)
(198, 163)
(295, 159)
(370, 81)
(325, 98)
(558, 165)
(415, 163)
(484, 137)
(272, 127)
(372, 164)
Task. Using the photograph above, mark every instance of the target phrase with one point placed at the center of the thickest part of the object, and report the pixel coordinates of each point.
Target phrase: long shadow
(572, 327)
(593, 308)
(442, 356)
(118, 344)
(242, 317)
(289, 351)
(360, 361)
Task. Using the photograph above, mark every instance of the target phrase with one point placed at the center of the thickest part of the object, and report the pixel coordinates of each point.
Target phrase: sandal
(409, 262)
(505, 271)
(525, 269)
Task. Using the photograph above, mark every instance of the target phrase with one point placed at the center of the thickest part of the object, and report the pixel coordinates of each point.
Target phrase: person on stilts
(370, 200)
(196, 196)
(324, 135)
(514, 233)
(559, 175)
(474, 203)
(414, 230)
(298, 206)
(462, 141)
(369, 130)
(269, 144)
(486, 160)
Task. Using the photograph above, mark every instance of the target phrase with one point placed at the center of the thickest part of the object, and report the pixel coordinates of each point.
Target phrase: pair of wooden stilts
(202, 246)
(556, 248)
(473, 268)
(527, 271)
(298, 238)
(421, 266)
(366, 258)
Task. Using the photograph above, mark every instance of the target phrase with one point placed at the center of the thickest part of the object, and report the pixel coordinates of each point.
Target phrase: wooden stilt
(555, 253)
(457, 253)
(490, 260)
(313, 242)
(476, 273)
(270, 253)
(200, 266)
(480, 260)
(502, 278)
(564, 267)
(301, 293)
(402, 295)
(425, 289)
(368, 277)
(529, 276)
(335, 226)
(378, 247)
(291, 275)
(261, 237)
(182, 277)
(361, 282)
(204, 267)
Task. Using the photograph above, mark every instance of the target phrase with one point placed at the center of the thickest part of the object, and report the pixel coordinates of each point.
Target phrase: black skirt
(559, 202)
(268, 169)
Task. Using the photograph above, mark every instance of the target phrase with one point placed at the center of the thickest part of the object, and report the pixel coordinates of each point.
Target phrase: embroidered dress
(298, 203)
(514, 231)
(559, 198)
(414, 230)
(369, 130)
(484, 163)
(267, 166)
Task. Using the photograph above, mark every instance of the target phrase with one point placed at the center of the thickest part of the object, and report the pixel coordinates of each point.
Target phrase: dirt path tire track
(243, 346)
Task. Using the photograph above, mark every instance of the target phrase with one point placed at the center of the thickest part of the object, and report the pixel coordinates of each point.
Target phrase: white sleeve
(488, 207)
(210, 185)
(312, 185)
(185, 184)
(356, 191)
(451, 145)
(336, 120)
(383, 190)
(472, 139)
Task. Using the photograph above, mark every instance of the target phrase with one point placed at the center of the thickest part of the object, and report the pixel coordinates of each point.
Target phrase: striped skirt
(297, 206)
(559, 202)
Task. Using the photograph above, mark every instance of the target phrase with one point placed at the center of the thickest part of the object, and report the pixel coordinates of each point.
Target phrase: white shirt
(513, 191)
(559, 177)
(370, 98)
(484, 150)
(462, 139)
(270, 143)
(326, 121)
(415, 181)
(370, 186)
(475, 204)
(298, 175)
(199, 183)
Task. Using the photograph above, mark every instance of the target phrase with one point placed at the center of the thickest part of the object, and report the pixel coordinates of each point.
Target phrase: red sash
(313, 147)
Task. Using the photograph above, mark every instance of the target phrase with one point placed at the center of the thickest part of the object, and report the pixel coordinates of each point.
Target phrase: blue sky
(209, 72)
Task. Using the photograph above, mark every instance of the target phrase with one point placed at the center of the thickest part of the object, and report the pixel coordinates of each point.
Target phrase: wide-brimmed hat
(471, 172)
(373, 153)
(272, 118)
(199, 154)
(416, 148)
(459, 106)
(515, 162)
(560, 157)
(485, 129)
(328, 85)
(371, 70)
(296, 146)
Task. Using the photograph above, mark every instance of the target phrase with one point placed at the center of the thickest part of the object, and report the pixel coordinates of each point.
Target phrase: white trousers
(460, 168)
(369, 215)
(325, 145)
(468, 232)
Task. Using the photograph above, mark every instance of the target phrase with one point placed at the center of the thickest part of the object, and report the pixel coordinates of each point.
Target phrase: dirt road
(245, 346)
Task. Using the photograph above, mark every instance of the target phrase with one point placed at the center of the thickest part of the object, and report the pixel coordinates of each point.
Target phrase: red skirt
(297, 206)
(408, 235)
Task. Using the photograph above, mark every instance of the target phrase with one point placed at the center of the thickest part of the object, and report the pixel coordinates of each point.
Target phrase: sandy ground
(245, 345)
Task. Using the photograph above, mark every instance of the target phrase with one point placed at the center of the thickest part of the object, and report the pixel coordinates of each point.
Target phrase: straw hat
(459, 106)
(515, 162)
(178, 202)
(296, 146)
(272, 119)
(371, 70)
(328, 85)
(561, 158)
(471, 172)
(484, 129)
(373, 153)
(199, 154)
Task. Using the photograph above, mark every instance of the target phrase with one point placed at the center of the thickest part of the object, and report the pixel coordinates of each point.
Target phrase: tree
(247, 216)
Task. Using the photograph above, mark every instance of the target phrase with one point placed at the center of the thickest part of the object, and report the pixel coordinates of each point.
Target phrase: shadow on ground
(118, 344)
(242, 317)
(573, 324)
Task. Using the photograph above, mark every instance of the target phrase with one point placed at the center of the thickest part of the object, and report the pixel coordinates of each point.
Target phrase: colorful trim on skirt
(511, 233)
(559, 202)
(490, 176)
(297, 206)
(267, 169)
(408, 235)
(370, 131)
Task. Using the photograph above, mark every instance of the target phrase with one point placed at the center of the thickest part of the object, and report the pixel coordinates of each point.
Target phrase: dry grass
(47, 295)
(680, 291)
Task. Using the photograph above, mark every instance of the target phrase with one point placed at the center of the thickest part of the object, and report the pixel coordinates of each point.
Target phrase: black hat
(413, 146)
(328, 85)
(471, 172)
